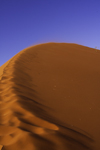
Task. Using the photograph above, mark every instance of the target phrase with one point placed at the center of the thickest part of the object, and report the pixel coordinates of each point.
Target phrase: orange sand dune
(50, 98)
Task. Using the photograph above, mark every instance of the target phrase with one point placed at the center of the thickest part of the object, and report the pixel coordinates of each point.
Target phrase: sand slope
(50, 99)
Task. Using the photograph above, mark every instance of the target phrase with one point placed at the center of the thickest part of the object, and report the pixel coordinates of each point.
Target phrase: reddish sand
(50, 98)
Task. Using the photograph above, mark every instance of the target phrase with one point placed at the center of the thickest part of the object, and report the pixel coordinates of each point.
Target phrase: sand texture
(50, 98)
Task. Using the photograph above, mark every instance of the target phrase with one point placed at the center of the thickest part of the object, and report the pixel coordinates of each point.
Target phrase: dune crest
(31, 87)
(9, 123)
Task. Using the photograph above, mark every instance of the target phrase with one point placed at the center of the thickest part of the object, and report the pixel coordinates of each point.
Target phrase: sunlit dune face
(49, 98)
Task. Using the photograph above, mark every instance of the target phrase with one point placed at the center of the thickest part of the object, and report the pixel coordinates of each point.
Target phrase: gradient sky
(24, 23)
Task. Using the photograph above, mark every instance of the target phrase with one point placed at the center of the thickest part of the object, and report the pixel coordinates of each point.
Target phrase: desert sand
(50, 98)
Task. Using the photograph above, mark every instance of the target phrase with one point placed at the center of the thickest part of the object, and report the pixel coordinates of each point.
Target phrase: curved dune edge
(18, 124)
(7, 118)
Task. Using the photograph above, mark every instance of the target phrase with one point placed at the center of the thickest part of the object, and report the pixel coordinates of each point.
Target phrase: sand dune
(50, 98)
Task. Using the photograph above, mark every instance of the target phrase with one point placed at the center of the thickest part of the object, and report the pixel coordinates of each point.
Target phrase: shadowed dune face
(49, 98)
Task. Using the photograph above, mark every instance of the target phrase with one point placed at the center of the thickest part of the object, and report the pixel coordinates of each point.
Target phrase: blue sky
(24, 23)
